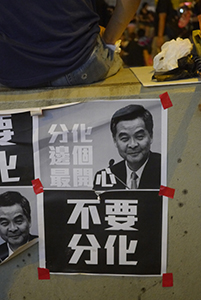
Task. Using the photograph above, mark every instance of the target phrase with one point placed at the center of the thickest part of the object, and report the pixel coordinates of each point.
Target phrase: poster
(18, 206)
(75, 141)
(84, 234)
(91, 222)
(99, 212)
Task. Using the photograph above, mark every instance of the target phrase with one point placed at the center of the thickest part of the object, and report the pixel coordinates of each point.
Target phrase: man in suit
(15, 222)
(132, 131)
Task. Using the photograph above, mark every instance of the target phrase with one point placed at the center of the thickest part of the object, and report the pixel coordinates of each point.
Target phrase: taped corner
(43, 274)
(167, 280)
(166, 191)
(165, 100)
(36, 111)
(37, 186)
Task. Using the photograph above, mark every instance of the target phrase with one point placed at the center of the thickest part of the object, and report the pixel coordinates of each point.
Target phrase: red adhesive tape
(167, 280)
(166, 191)
(165, 100)
(37, 186)
(43, 274)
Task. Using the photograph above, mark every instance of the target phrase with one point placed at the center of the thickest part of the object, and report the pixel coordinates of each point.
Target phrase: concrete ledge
(119, 85)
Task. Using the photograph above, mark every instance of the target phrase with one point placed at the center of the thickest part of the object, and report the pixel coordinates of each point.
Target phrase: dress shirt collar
(138, 172)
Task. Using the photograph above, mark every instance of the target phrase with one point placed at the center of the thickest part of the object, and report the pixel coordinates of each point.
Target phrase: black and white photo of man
(132, 132)
(15, 222)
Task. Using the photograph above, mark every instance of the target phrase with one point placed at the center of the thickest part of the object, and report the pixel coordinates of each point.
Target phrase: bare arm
(161, 29)
(123, 14)
(147, 59)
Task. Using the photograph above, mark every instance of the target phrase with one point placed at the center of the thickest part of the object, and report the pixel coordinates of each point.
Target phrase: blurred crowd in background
(151, 27)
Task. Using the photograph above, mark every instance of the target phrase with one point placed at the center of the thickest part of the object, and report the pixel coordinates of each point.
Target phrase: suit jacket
(150, 178)
(4, 248)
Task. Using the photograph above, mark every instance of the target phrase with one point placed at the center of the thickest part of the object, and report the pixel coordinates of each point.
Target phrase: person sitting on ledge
(59, 43)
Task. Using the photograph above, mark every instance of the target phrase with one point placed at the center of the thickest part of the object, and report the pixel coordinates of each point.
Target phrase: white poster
(101, 165)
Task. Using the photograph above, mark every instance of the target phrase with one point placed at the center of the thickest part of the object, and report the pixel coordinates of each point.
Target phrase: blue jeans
(102, 63)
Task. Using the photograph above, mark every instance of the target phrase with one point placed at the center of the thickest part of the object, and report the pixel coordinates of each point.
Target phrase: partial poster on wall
(18, 205)
(16, 151)
(101, 164)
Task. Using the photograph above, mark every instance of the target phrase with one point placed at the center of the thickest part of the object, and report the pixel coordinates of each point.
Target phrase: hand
(102, 30)
(160, 41)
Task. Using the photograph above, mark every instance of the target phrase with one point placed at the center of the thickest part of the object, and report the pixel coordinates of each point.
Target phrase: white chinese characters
(121, 215)
(6, 134)
(71, 156)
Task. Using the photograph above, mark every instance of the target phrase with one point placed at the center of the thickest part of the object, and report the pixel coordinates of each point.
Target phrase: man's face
(133, 142)
(14, 226)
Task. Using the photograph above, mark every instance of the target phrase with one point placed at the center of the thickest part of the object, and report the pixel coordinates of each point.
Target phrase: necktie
(134, 180)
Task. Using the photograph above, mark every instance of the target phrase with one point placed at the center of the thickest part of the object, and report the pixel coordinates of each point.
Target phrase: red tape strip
(165, 100)
(37, 186)
(167, 280)
(166, 191)
(43, 274)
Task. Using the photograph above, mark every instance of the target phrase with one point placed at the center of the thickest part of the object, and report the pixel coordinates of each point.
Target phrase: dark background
(58, 233)
(22, 128)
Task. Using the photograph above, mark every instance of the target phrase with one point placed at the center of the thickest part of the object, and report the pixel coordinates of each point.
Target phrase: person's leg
(102, 63)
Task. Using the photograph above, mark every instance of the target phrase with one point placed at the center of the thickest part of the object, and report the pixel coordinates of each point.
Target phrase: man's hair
(131, 112)
(11, 198)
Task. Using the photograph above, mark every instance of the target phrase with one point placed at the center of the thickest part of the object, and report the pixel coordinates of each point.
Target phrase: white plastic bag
(170, 53)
